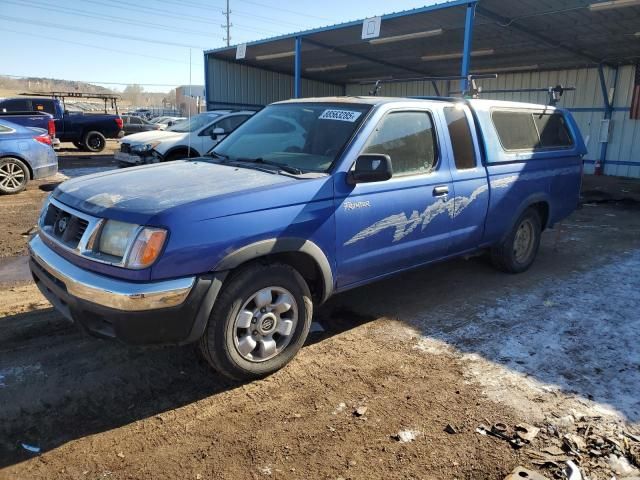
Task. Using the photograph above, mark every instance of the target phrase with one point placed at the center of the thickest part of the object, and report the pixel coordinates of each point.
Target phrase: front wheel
(14, 175)
(518, 251)
(259, 322)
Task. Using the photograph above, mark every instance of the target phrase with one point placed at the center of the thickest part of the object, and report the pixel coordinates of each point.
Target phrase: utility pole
(228, 26)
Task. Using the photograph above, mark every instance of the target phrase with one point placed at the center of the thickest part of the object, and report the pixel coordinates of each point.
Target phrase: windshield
(194, 123)
(308, 137)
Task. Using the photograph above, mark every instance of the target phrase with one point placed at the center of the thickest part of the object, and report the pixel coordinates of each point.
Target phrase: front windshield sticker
(342, 115)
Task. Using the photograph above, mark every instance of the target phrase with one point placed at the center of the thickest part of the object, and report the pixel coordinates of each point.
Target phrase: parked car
(189, 138)
(86, 131)
(136, 125)
(235, 250)
(170, 122)
(41, 120)
(25, 154)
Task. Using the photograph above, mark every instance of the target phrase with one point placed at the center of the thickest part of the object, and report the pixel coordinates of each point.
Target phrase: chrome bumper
(105, 291)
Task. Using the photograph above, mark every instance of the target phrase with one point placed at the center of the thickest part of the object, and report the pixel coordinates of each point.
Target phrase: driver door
(399, 223)
(228, 124)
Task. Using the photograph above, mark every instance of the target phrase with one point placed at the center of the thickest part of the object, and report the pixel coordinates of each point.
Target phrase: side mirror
(371, 168)
(217, 132)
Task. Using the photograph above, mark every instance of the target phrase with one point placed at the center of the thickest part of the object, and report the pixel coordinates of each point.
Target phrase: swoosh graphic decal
(404, 225)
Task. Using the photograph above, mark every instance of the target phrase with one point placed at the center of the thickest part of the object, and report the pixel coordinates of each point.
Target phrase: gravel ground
(456, 344)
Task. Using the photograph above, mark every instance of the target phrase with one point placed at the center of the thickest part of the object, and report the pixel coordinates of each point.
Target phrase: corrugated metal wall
(586, 103)
(232, 83)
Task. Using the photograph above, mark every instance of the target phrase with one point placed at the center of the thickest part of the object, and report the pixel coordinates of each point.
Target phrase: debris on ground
(520, 472)
(451, 429)
(405, 436)
(360, 411)
(566, 448)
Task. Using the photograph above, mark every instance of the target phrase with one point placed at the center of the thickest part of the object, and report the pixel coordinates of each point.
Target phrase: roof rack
(472, 91)
(106, 97)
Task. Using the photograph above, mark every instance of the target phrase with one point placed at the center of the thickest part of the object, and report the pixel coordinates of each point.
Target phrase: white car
(190, 138)
(167, 122)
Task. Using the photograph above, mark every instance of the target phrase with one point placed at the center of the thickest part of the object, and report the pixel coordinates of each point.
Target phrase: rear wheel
(14, 175)
(518, 251)
(259, 322)
(94, 141)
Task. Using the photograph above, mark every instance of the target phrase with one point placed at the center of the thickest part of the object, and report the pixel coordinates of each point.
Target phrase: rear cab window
(531, 130)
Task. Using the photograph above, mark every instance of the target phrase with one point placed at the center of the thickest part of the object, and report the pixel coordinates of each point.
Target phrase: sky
(149, 42)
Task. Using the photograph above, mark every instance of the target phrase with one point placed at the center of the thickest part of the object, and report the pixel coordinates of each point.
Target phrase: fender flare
(526, 203)
(282, 245)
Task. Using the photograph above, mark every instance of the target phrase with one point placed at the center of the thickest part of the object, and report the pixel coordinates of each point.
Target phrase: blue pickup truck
(87, 132)
(235, 249)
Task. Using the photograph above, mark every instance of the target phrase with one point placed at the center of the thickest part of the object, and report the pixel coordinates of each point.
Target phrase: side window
(553, 130)
(516, 130)
(15, 105)
(461, 139)
(231, 123)
(135, 121)
(4, 129)
(43, 106)
(409, 139)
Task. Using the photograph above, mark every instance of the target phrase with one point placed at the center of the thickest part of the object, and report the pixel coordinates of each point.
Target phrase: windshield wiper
(282, 166)
(219, 155)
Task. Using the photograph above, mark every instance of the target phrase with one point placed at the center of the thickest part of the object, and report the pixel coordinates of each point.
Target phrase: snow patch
(569, 342)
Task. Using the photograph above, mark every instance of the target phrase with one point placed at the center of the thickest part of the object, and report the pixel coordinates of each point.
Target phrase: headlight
(116, 237)
(143, 244)
(144, 147)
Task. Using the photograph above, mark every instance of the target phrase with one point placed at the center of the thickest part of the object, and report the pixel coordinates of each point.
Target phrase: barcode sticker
(341, 115)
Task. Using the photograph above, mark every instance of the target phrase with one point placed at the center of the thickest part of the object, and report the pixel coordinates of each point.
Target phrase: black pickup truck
(86, 131)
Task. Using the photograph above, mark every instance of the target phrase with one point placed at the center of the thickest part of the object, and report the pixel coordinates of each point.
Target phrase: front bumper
(128, 158)
(139, 313)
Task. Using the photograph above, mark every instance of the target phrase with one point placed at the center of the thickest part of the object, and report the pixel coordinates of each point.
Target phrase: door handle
(441, 191)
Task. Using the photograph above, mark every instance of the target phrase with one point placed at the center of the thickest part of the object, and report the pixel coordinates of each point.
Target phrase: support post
(297, 69)
(608, 113)
(468, 40)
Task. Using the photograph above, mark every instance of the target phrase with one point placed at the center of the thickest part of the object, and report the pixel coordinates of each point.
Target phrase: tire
(79, 145)
(94, 141)
(259, 350)
(14, 175)
(518, 251)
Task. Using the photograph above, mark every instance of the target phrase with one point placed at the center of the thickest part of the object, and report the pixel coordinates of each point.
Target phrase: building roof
(508, 36)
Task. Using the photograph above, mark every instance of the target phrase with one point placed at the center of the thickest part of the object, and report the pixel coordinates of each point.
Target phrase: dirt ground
(456, 344)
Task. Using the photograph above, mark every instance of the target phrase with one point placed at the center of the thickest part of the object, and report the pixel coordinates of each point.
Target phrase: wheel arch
(190, 151)
(541, 202)
(22, 159)
(303, 255)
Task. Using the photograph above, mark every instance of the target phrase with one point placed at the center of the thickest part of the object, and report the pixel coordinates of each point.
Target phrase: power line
(109, 18)
(93, 46)
(97, 32)
(99, 82)
(270, 7)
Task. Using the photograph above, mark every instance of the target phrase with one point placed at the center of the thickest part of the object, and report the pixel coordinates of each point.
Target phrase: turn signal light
(147, 247)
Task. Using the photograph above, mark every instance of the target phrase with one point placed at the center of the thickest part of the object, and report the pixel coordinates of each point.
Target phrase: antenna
(228, 25)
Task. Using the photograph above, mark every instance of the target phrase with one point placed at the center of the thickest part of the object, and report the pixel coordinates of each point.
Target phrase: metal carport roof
(507, 35)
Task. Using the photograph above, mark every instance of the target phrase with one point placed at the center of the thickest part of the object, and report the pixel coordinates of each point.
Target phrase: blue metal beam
(297, 69)
(608, 112)
(355, 23)
(468, 41)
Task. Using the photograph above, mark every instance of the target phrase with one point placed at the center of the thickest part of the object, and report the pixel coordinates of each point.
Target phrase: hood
(138, 194)
(151, 136)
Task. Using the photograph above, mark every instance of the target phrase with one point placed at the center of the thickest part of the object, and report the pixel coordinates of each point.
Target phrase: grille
(64, 226)
(125, 148)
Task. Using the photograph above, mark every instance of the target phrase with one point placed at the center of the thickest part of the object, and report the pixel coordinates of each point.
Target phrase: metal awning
(503, 35)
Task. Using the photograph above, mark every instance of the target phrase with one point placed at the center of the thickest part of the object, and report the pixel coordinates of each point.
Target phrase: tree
(133, 94)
